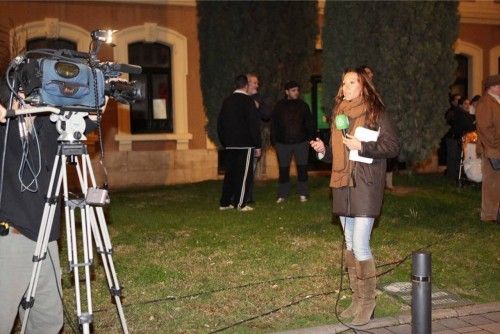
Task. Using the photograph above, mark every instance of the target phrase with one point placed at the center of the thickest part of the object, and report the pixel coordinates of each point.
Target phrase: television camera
(70, 85)
(72, 80)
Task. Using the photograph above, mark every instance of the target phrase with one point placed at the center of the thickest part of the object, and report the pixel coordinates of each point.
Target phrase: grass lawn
(187, 267)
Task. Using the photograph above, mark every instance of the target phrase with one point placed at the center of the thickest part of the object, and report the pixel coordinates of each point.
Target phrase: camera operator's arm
(3, 110)
(4, 99)
(3, 113)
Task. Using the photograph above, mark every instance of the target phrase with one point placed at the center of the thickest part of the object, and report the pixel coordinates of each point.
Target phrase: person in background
(264, 116)
(465, 104)
(460, 123)
(357, 187)
(292, 129)
(239, 132)
(488, 131)
(473, 106)
(369, 72)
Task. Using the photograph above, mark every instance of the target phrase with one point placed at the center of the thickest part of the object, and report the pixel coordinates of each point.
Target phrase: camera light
(105, 36)
(109, 37)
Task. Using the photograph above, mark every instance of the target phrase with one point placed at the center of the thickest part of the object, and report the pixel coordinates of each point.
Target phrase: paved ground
(471, 319)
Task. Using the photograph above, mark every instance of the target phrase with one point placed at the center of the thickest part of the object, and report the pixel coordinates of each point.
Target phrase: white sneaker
(280, 200)
(245, 208)
(224, 208)
(303, 198)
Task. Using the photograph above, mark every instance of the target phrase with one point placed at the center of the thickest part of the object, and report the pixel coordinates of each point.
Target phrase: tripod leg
(103, 244)
(42, 240)
(104, 247)
(84, 318)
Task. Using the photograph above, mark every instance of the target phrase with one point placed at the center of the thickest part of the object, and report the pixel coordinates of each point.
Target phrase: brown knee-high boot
(350, 263)
(367, 279)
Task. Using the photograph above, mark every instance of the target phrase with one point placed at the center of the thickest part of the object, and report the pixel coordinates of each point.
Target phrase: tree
(273, 39)
(347, 42)
(410, 46)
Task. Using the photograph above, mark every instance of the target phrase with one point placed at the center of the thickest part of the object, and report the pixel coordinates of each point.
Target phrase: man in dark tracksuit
(238, 128)
(292, 128)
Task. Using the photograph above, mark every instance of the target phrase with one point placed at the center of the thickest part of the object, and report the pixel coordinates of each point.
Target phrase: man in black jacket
(22, 201)
(292, 128)
(238, 128)
(31, 147)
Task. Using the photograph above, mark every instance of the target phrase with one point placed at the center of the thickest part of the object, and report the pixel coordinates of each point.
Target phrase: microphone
(128, 68)
(342, 123)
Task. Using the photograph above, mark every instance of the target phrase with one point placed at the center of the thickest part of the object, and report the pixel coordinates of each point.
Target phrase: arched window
(50, 43)
(49, 33)
(152, 34)
(495, 60)
(474, 55)
(154, 113)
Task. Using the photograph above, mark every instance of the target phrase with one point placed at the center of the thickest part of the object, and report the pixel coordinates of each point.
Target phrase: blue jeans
(357, 232)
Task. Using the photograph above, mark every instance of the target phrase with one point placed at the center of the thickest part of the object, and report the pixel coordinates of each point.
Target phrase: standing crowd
(357, 185)
(358, 154)
(239, 130)
(472, 144)
(357, 180)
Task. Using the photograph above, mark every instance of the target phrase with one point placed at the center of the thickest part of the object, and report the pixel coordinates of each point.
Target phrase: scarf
(342, 167)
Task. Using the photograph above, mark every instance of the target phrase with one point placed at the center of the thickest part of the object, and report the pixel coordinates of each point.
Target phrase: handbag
(495, 163)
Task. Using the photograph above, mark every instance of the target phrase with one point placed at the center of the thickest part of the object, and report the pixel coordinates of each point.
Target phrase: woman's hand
(318, 145)
(351, 142)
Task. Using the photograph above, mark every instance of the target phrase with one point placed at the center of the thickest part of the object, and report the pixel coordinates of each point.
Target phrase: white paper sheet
(159, 109)
(364, 135)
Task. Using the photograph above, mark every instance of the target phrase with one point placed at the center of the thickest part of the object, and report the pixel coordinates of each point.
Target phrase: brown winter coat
(488, 126)
(365, 198)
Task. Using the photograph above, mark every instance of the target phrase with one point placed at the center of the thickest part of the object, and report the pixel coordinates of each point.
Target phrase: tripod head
(70, 123)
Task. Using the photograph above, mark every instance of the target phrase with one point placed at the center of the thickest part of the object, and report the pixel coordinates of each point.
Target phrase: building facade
(162, 140)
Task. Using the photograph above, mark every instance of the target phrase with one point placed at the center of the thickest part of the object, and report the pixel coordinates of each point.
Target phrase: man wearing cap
(488, 129)
(292, 128)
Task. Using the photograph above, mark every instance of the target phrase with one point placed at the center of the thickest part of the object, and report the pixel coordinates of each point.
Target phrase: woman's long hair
(369, 93)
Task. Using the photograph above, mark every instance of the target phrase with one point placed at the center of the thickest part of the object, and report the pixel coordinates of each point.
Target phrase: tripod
(94, 228)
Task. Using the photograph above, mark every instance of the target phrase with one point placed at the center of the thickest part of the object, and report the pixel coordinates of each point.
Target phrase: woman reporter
(357, 187)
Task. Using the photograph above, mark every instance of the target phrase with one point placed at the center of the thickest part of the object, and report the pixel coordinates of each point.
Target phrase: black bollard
(421, 303)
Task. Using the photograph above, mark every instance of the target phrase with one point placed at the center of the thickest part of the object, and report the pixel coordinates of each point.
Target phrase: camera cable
(27, 164)
(394, 264)
(200, 293)
(70, 322)
(4, 149)
(99, 125)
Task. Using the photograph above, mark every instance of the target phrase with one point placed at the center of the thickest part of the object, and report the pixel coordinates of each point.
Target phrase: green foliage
(273, 39)
(347, 42)
(410, 47)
